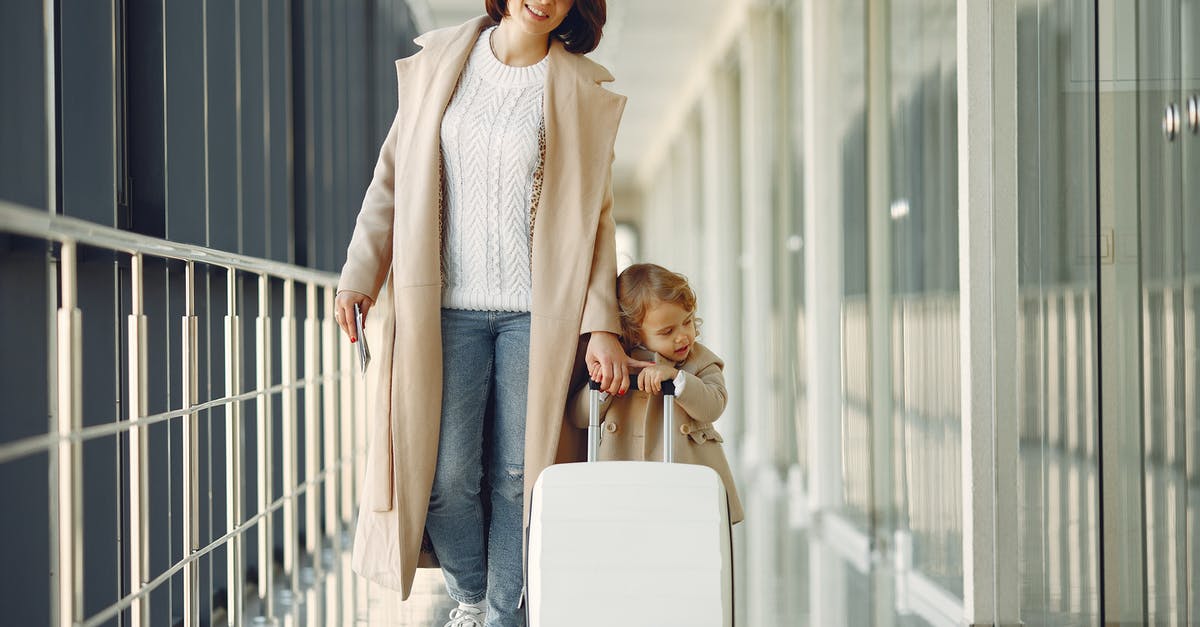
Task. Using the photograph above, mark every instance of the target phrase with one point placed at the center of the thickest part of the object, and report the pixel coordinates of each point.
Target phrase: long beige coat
(632, 426)
(398, 232)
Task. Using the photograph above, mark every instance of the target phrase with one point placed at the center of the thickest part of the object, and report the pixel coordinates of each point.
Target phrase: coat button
(610, 427)
(685, 428)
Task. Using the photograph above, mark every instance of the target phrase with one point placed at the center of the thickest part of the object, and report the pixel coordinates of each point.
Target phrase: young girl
(658, 315)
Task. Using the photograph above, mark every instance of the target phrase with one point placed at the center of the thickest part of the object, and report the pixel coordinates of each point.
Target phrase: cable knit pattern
(491, 157)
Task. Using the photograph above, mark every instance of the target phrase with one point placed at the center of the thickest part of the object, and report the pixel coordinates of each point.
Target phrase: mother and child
(488, 228)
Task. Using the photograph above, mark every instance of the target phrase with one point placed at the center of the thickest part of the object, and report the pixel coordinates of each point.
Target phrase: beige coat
(398, 232)
(632, 425)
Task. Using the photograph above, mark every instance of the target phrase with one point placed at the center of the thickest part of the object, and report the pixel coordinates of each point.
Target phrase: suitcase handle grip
(668, 434)
(668, 387)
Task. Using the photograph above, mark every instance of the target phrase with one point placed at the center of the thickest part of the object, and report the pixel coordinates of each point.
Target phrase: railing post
(139, 452)
(68, 455)
(312, 447)
(287, 351)
(191, 439)
(234, 453)
(346, 368)
(329, 388)
(262, 351)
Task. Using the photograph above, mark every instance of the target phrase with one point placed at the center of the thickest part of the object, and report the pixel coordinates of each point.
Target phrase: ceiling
(656, 49)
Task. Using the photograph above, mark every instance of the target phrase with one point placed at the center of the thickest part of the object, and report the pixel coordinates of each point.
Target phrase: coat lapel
(581, 126)
(435, 72)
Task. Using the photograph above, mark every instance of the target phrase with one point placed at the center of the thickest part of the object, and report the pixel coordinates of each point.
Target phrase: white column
(824, 124)
(720, 275)
(760, 51)
(988, 314)
(760, 71)
(822, 253)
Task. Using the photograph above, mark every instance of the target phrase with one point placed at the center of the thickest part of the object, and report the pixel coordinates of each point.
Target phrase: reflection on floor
(336, 597)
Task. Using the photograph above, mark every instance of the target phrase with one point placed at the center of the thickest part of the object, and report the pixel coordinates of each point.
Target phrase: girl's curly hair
(641, 285)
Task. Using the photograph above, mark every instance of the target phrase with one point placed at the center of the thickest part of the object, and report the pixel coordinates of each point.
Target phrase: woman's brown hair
(580, 32)
(641, 285)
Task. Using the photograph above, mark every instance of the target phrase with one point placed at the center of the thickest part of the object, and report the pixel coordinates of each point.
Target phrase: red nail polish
(353, 340)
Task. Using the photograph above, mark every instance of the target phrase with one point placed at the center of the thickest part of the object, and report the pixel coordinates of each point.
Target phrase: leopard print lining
(536, 196)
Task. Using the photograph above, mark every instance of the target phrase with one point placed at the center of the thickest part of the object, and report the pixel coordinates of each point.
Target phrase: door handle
(1170, 124)
(1193, 113)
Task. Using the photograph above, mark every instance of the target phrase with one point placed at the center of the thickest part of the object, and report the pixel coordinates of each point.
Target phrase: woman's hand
(650, 379)
(343, 310)
(608, 363)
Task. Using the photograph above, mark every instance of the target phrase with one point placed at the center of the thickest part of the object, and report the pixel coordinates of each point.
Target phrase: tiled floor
(336, 597)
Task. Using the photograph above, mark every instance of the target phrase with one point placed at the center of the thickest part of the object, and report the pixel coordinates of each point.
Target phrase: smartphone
(364, 353)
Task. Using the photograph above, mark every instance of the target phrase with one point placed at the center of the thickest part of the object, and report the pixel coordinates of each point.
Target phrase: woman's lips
(533, 14)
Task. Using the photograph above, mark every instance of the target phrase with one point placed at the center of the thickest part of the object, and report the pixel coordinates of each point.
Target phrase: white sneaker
(466, 616)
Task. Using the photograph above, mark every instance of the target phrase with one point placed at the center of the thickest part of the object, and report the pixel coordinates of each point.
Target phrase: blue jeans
(485, 373)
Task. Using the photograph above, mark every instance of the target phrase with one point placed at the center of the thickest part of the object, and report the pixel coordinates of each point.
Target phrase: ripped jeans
(485, 379)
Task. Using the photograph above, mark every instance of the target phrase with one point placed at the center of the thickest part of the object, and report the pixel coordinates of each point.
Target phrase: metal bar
(312, 461)
(262, 337)
(346, 414)
(191, 454)
(21, 220)
(69, 458)
(287, 350)
(40, 443)
(329, 417)
(139, 452)
(50, 76)
(668, 434)
(593, 450)
(234, 450)
(111, 611)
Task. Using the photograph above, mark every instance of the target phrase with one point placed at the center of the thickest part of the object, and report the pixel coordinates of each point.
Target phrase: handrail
(22, 220)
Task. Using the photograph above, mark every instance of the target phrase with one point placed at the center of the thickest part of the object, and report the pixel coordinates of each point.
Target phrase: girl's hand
(343, 310)
(650, 379)
(608, 363)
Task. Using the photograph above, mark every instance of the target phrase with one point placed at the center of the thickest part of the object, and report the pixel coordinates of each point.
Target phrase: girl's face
(669, 330)
(539, 17)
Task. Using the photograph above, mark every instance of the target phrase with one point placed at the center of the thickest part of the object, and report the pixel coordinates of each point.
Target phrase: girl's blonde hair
(641, 285)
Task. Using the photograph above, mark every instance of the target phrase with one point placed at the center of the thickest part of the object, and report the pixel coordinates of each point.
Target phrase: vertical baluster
(330, 442)
(234, 453)
(263, 406)
(139, 453)
(329, 417)
(346, 368)
(287, 350)
(68, 454)
(191, 438)
(312, 462)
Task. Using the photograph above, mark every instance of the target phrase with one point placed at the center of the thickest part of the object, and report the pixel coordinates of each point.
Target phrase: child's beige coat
(632, 425)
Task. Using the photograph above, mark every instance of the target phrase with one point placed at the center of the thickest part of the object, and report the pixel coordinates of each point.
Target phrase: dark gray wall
(243, 126)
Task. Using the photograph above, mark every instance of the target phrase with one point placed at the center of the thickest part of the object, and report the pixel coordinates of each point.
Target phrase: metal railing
(333, 442)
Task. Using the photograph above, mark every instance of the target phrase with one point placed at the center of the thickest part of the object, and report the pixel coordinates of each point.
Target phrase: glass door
(1189, 134)
(1166, 307)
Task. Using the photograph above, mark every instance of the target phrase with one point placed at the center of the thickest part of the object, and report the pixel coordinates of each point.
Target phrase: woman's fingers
(344, 311)
(614, 384)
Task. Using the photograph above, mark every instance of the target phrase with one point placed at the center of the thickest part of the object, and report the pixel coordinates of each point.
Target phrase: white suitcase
(627, 544)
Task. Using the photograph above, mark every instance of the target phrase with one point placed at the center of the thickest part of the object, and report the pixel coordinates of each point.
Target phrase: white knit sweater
(491, 156)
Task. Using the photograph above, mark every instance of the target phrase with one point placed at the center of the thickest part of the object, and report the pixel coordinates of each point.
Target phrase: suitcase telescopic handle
(668, 432)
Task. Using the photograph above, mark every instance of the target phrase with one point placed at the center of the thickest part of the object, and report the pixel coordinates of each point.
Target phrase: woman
(491, 209)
